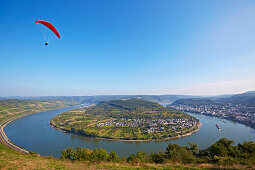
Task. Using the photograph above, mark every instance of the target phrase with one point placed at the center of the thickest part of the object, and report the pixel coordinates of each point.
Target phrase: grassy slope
(11, 159)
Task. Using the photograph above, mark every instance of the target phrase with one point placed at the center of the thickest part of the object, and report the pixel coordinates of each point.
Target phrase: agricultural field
(16, 108)
(126, 119)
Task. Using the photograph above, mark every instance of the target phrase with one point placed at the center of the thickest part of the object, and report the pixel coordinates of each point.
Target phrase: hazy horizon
(129, 95)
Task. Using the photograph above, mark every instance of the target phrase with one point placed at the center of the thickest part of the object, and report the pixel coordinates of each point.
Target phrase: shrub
(176, 153)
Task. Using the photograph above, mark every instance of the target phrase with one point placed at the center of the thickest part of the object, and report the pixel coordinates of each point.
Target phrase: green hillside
(14, 107)
(129, 104)
(194, 102)
(127, 119)
(247, 99)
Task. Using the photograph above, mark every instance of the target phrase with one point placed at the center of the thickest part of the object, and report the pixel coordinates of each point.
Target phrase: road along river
(34, 133)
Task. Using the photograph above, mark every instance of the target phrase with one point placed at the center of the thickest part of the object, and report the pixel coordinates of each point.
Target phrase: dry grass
(11, 159)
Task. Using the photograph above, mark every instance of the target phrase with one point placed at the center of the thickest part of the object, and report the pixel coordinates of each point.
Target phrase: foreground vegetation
(126, 119)
(223, 152)
(11, 159)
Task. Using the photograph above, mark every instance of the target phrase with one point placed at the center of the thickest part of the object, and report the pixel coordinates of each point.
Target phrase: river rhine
(34, 133)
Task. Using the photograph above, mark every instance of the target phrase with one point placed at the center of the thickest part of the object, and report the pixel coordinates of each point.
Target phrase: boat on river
(218, 126)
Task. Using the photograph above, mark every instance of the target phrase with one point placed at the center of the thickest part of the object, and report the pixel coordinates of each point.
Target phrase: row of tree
(223, 152)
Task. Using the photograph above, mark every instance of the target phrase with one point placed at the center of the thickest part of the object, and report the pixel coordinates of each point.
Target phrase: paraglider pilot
(50, 26)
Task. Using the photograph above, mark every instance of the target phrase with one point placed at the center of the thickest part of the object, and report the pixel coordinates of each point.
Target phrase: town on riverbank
(238, 113)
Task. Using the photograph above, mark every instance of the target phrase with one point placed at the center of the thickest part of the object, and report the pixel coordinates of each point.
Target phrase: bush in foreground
(223, 152)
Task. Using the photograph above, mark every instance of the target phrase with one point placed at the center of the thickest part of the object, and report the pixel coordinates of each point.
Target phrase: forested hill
(133, 108)
(130, 104)
(194, 102)
(246, 99)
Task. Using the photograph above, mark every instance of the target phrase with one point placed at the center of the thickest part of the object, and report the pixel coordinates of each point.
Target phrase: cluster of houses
(86, 106)
(238, 112)
(152, 125)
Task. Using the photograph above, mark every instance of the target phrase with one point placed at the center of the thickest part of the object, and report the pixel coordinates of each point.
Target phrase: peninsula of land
(127, 119)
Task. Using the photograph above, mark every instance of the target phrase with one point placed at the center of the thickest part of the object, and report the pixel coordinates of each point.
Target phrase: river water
(34, 133)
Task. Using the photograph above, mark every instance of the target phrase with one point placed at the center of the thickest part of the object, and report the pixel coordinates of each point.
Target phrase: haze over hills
(162, 99)
(196, 102)
(246, 99)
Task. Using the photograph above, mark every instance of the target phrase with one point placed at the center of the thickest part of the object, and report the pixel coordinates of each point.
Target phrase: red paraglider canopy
(50, 26)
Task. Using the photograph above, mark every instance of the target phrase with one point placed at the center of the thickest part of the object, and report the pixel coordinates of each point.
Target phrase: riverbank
(5, 140)
(130, 140)
(23, 108)
(226, 118)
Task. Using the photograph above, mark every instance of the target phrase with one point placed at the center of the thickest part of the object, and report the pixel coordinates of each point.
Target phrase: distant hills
(246, 99)
(162, 99)
(194, 102)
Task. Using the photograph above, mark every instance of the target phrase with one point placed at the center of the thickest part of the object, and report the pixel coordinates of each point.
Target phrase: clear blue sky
(128, 47)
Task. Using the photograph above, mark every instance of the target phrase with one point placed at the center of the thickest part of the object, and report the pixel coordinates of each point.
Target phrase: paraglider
(50, 26)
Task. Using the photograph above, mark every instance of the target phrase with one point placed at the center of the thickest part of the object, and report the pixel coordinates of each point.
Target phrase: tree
(192, 148)
(113, 157)
(247, 149)
(159, 157)
(143, 157)
(223, 147)
(82, 154)
(176, 153)
(131, 158)
(102, 155)
(68, 153)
